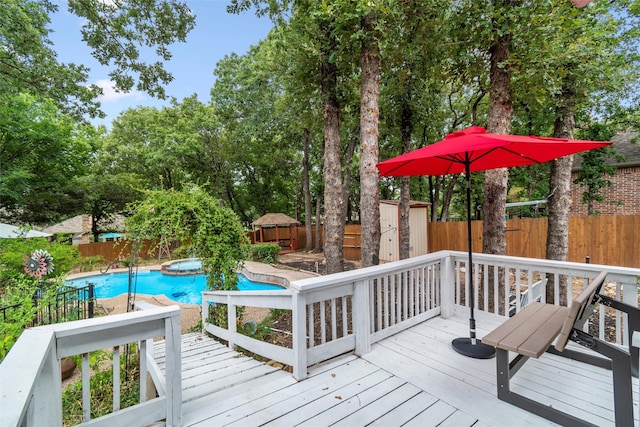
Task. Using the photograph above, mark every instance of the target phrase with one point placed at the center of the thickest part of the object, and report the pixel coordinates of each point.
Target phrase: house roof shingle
(626, 144)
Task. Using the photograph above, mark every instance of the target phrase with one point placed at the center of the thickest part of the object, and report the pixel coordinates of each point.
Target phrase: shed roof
(412, 203)
(275, 219)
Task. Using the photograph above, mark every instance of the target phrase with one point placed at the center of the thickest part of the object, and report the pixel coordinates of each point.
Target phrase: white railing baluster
(379, 303)
(393, 301)
(427, 288)
(411, 292)
(334, 320)
(232, 322)
(371, 298)
(345, 323)
(619, 319)
(311, 325)
(405, 296)
(505, 286)
(143, 371)
(323, 321)
(485, 286)
(422, 307)
(86, 388)
(116, 378)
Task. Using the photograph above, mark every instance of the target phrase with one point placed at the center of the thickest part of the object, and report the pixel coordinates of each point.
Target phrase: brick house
(623, 197)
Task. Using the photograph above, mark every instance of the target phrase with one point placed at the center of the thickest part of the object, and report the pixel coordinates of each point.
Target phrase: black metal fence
(70, 303)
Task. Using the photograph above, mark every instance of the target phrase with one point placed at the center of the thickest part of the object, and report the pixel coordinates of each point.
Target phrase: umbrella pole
(470, 346)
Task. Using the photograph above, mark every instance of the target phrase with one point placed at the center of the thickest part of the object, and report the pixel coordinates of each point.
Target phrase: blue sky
(216, 34)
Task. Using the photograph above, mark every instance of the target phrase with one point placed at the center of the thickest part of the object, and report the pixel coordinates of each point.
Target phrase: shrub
(89, 263)
(19, 296)
(265, 252)
(13, 251)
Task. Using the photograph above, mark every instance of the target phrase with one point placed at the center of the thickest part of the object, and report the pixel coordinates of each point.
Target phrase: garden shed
(390, 229)
(277, 228)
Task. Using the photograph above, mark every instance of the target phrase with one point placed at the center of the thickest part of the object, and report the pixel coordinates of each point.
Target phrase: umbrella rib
(520, 155)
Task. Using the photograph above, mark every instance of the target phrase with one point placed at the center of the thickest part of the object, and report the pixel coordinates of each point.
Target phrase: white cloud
(109, 93)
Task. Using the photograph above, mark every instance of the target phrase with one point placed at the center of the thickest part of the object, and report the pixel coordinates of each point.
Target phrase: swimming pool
(184, 289)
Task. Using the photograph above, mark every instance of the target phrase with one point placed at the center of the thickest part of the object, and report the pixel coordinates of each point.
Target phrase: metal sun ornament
(39, 264)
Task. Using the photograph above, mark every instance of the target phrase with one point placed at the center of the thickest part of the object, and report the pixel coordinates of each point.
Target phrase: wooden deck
(413, 378)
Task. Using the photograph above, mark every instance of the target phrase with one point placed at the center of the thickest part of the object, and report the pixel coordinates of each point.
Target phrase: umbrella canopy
(479, 150)
(472, 150)
(110, 236)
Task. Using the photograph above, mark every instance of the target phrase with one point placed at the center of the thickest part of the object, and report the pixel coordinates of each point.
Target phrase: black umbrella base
(478, 350)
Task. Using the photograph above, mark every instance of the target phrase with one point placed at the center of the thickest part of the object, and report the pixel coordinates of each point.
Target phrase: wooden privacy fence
(609, 240)
(116, 251)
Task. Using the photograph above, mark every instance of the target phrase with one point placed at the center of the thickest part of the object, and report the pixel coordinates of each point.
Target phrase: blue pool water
(185, 289)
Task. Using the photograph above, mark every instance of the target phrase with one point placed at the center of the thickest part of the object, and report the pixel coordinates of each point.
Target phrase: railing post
(232, 323)
(362, 316)
(447, 287)
(204, 312)
(173, 370)
(46, 402)
(299, 329)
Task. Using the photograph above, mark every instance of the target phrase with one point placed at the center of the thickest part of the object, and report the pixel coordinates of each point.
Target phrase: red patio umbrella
(472, 150)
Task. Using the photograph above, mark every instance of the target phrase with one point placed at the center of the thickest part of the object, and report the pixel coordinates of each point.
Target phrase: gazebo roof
(275, 219)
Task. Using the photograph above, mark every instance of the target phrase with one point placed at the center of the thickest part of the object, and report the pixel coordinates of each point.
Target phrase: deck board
(413, 378)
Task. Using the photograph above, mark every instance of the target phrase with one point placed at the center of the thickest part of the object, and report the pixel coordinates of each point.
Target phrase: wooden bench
(531, 332)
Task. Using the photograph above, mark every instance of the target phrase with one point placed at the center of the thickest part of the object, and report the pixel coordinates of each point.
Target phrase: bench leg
(622, 387)
(505, 394)
(620, 362)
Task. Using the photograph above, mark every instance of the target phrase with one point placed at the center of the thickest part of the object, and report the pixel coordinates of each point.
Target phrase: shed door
(389, 249)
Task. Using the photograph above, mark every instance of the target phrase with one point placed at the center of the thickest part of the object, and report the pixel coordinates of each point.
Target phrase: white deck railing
(337, 313)
(332, 314)
(349, 311)
(30, 377)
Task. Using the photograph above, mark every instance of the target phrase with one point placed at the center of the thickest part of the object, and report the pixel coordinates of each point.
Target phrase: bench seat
(531, 331)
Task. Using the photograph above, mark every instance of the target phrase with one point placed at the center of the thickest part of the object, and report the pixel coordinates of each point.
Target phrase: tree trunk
(332, 169)
(434, 196)
(369, 116)
(306, 190)
(494, 236)
(318, 245)
(448, 196)
(560, 192)
(495, 181)
(406, 126)
(346, 181)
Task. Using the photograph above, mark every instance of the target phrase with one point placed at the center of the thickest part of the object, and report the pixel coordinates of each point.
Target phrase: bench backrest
(580, 310)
